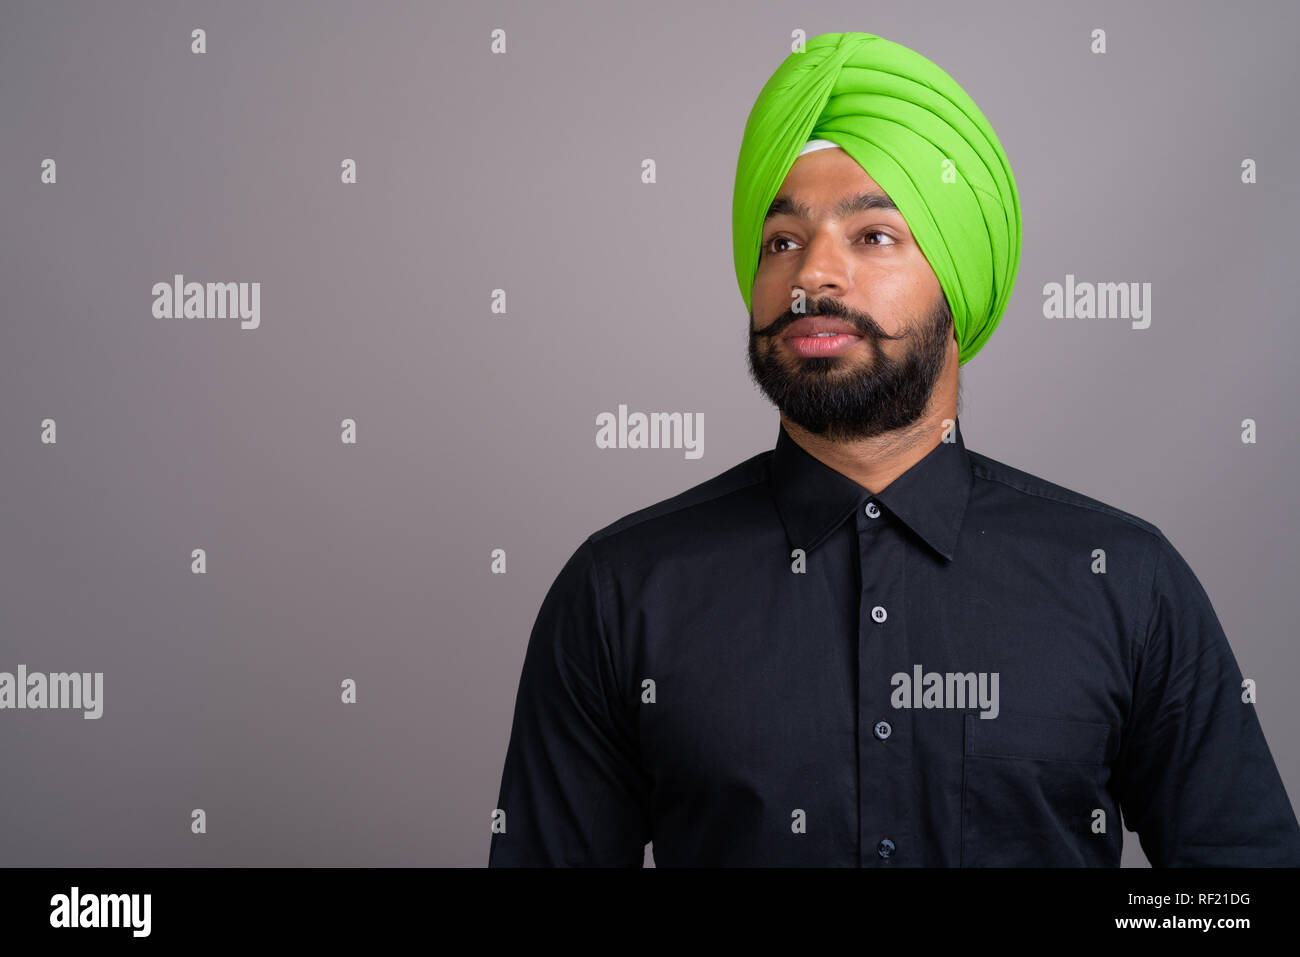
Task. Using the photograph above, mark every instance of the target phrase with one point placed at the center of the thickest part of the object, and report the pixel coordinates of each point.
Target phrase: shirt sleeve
(1195, 777)
(572, 791)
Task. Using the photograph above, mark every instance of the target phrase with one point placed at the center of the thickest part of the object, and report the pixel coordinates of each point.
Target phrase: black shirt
(970, 667)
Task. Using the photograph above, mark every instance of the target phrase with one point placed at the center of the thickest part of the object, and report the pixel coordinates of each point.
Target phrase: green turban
(901, 118)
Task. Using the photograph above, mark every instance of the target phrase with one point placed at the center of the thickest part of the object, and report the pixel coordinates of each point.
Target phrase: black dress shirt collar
(929, 498)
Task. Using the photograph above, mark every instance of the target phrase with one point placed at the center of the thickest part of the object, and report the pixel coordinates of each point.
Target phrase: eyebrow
(785, 206)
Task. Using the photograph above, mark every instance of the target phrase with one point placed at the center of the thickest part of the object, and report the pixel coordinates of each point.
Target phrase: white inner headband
(818, 145)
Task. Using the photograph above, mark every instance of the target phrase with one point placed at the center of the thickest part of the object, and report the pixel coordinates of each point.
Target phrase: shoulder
(1032, 492)
(1033, 509)
(728, 500)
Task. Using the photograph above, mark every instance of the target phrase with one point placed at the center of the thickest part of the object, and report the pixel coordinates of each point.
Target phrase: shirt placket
(884, 733)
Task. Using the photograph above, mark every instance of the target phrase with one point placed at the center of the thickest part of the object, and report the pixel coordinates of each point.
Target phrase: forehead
(827, 168)
(828, 182)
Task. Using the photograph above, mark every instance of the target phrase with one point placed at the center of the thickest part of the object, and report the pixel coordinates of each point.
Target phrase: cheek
(924, 284)
(901, 295)
(766, 280)
(770, 296)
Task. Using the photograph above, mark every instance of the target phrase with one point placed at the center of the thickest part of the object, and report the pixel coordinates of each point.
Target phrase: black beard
(833, 396)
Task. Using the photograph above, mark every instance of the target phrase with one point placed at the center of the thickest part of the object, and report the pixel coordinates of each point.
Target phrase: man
(871, 646)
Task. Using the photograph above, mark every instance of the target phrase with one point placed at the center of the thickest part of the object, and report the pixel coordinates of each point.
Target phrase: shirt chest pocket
(1031, 789)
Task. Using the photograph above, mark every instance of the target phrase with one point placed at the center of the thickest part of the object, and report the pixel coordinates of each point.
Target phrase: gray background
(476, 431)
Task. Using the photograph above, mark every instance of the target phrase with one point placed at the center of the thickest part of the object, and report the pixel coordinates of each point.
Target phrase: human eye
(767, 247)
(876, 232)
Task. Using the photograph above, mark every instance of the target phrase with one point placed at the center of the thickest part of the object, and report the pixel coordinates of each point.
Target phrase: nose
(824, 267)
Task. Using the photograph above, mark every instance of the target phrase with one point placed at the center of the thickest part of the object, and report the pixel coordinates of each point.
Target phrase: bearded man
(871, 646)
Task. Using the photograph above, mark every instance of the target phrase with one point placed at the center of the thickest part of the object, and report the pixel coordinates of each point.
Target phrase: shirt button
(873, 511)
(883, 730)
(885, 847)
(878, 613)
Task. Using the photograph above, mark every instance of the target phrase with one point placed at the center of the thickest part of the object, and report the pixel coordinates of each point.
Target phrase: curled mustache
(831, 309)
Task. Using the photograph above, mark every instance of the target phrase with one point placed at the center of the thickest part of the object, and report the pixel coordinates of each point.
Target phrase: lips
(814, 337)
(814, 325)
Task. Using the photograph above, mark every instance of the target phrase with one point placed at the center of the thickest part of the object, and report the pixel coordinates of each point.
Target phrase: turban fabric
(900, 117)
